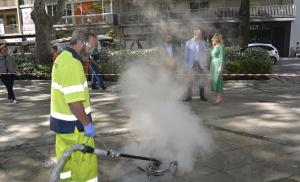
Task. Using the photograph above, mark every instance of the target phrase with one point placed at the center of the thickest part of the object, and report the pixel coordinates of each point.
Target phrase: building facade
(17, 26)
(9, 21)
(140, 22)
(270, 20)
(295, 30)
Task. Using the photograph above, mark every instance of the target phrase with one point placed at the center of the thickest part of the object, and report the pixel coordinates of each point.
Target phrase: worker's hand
(89, 130)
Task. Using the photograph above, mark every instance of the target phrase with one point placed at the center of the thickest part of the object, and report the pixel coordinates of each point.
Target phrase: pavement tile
(216, 177)
(289, 163)
(258, 107)
(228, 160)
(3, 176)
(266, 151)
(295, 178)
(253, 172)
(284, 180)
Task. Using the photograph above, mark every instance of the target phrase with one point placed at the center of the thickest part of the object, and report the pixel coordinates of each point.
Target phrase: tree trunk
(244, 24)
(43, 30)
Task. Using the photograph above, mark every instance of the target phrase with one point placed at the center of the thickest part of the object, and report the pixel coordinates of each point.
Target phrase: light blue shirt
(195, 52)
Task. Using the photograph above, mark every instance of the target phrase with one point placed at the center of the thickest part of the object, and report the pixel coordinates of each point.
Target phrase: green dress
(216, 63)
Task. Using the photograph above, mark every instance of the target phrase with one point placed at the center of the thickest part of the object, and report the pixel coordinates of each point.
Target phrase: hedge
(28, 70)
(251, 61)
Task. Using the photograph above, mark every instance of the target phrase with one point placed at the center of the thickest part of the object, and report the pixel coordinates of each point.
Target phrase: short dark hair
(77, 35)
(54, 47)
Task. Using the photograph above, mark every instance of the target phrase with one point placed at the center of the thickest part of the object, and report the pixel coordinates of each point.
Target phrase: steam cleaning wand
(151, 169)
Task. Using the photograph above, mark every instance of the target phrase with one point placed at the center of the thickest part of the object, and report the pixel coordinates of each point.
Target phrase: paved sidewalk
(256, 132)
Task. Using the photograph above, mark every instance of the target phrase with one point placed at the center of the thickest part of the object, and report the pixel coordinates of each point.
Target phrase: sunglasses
(88, 45)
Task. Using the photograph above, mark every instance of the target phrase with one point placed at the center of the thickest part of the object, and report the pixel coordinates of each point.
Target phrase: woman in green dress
(216, 67)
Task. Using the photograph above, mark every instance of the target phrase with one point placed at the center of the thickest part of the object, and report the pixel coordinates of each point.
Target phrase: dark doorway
(278, 39)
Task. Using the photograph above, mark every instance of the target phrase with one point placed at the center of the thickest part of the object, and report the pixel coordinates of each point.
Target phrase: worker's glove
(89, 130)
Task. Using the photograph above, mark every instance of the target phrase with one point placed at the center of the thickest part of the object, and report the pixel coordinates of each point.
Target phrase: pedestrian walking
(70, 116)
(196, 61)
(95, 56)
(217, 67)
(297, 50)
(8, 72)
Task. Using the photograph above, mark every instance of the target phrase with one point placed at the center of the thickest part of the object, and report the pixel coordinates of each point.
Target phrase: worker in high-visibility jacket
(70, 116)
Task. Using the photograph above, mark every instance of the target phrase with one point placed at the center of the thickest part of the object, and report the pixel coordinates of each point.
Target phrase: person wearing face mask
(96, 77)
(8, 72)
(70, 116)
(195, 60)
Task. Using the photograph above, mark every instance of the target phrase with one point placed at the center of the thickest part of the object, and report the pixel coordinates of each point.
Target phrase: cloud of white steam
(166, 128)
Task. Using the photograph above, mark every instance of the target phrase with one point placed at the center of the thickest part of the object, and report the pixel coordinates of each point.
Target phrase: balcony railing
(275, 11)
(11, 29)
(7, 3)
(256, 12)
(93, 19)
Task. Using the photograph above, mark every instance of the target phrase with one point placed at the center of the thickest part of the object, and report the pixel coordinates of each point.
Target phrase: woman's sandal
(217, 102)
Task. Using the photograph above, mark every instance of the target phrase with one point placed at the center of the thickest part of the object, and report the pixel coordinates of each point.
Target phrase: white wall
(295, 29)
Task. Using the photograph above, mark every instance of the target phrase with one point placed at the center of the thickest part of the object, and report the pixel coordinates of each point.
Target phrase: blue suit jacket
(190, 54)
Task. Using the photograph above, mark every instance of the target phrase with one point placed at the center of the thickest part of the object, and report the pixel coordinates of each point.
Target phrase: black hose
(87, 149)
(156, 162)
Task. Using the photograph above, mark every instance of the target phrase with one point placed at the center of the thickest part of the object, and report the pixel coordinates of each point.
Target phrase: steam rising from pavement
(166, 128)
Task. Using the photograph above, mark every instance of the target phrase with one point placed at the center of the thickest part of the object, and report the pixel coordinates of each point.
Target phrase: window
(26, 2)
(167, 5)
(196, 5)
(132, 6)
(68, 10)
(11, 20)
(204, 4)
(86, 8)
(171, 5)
(107, 7)
(94, 9)
(11, 24)
(268, 48)
(51, 10)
